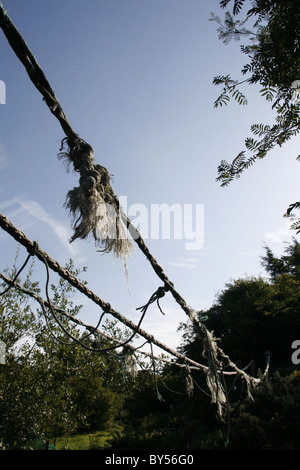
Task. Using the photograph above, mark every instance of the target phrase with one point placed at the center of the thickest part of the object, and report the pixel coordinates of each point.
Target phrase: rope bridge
(96, 211)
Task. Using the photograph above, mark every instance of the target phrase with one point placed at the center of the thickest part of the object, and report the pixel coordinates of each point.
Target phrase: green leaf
(222, 99)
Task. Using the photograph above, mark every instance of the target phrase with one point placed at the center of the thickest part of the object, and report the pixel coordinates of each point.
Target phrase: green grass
(97, 440)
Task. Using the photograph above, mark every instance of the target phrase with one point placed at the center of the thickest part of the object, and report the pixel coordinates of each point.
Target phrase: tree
(271, 420)
(273, 51)
(49, 386)
(252, 316)
(286, 264)
(18, 320)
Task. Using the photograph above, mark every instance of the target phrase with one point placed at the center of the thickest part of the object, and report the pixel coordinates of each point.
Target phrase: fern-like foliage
(260, 129)
(231, 29)
(273, 51)
(238, 4)
(296, 225)
(270, 136)
(268, 93)
(228, 89)
(230, 171)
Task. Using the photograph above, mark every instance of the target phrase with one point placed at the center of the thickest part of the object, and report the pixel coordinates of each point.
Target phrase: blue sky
(135, 81)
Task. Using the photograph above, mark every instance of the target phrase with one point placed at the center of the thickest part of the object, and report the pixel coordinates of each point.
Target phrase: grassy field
(97, 440)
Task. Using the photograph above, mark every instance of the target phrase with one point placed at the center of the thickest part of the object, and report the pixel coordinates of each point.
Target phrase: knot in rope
(158, 294)
(93, 206)
(33, 249)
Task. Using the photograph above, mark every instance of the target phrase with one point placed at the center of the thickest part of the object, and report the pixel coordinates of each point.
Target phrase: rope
(34, 71)
(84, 201)
(189, 382)
(128, 350)
(21, 238)
(82, 156)
(155, 297)
(93, 329)
(33, 247)
(91, 206)
(159, 396)
(16, 276)
(88, 202)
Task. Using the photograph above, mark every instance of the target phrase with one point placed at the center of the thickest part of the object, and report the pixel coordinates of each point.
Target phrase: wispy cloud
(22, 206)
(193, 260)
(3, 157)
(281, 234)
(165, 328)
(187, 263)
(37, 211)
(251, 253)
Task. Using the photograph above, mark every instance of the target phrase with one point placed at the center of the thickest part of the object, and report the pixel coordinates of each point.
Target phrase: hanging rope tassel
(213, 380)
(93, 205)
(128, 363)
(159, 396)
(189, 383)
